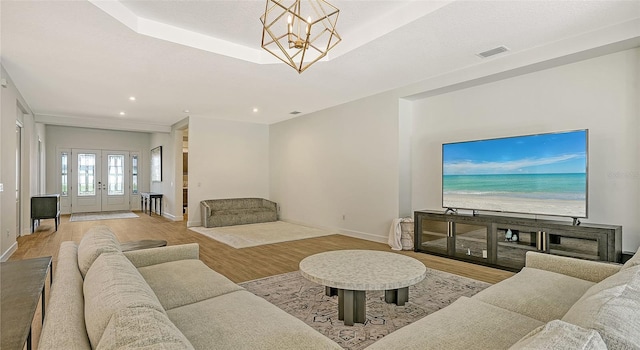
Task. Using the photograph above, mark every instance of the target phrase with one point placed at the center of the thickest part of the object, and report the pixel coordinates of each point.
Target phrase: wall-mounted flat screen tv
(544, 174)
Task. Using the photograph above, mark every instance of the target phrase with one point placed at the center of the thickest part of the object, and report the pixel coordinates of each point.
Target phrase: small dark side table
(45, 206)
(22, 286)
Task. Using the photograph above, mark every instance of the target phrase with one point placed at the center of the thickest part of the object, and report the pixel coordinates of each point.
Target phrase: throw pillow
(614, 311)
(99, 239)
(558, 334)
(634, 261)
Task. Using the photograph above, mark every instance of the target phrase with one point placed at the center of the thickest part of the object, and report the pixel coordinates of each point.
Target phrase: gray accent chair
(237, 211)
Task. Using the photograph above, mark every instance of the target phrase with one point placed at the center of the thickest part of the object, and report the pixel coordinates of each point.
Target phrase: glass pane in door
(115, 181)
(86, 174)
(134, 174)
(64, 174)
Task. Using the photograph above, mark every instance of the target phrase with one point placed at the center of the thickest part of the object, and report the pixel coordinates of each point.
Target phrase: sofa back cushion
(99, 239)
(612, 307)
(112, 284)
(238, 203)
(142, 328)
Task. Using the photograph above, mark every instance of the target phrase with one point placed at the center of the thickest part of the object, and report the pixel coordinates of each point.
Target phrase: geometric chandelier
(299, 32)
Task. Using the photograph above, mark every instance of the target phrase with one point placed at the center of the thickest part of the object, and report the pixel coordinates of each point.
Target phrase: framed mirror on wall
(156, 164)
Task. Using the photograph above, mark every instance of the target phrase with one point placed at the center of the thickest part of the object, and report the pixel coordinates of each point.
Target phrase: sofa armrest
(269, 204)
(154, 256)
(594, 271)
(205, 213)
(64, 326)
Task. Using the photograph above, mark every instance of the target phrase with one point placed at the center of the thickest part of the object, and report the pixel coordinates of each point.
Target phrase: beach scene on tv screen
(538, 174)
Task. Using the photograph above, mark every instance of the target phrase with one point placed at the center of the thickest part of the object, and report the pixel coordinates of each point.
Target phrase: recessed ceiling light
(185, 111)
(255, 110)
(122, 113)
(132, 98)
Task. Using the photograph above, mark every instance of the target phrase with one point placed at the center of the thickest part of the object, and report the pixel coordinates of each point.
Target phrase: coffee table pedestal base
(397, 296)
(352, 306)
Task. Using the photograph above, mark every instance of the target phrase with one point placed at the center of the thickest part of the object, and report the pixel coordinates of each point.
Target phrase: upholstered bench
(237, 211)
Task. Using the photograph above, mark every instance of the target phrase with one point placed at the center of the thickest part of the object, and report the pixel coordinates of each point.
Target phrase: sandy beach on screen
(572, 208)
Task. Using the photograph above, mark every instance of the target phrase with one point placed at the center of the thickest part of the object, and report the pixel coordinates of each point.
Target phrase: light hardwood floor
(239, 265)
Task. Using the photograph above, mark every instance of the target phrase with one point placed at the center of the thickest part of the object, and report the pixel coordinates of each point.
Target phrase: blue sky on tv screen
(555, 153)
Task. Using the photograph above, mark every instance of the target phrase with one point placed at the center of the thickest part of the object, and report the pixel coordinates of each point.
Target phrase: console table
(150, 199)
(46, 206)
(350, 273)
(22, 286)
(503, 241)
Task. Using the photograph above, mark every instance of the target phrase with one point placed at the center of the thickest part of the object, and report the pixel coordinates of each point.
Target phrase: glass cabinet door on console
(434, 236)
(451, 238)
(471, 242)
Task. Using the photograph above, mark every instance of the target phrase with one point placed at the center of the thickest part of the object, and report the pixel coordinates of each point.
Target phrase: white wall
(342, 161)
(599, 94)
(64, 137)
(351, 159)
(226, 160)
(11, 101)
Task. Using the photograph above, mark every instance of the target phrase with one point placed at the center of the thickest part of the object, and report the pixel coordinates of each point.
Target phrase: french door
(100, 181)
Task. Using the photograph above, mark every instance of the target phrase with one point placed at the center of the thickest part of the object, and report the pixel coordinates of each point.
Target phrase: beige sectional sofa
(165, 298)
(160, 298)
(554, 302)
(237, 211)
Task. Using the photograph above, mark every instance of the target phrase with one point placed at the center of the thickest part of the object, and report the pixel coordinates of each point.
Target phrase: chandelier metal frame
(299, 32)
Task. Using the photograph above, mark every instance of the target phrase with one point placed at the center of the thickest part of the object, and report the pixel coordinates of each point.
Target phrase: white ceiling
(80, 61)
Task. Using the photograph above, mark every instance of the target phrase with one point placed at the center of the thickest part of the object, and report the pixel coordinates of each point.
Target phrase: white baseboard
(194, 223)
(173, 217)
(6, 255)
(364, 235)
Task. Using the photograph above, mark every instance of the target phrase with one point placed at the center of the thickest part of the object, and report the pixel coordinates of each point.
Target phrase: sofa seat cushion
(113, 283)
(142, 328)
(539, 294)
(612, 307)
(183, 282)
(97, 240)
(558, 334)
(241, 320)
(465, 324)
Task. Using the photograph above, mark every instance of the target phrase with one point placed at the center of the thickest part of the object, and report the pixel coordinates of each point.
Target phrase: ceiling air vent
(295, 112)
(494, 51)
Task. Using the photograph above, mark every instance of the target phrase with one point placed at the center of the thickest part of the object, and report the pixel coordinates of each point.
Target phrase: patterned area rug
(306, 300)
(243, 236)
(102, 216)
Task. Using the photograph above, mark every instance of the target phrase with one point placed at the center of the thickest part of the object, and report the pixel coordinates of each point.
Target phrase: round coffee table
(350, 273)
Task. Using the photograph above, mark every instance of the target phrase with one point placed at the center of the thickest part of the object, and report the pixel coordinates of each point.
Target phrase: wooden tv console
(502, 241)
